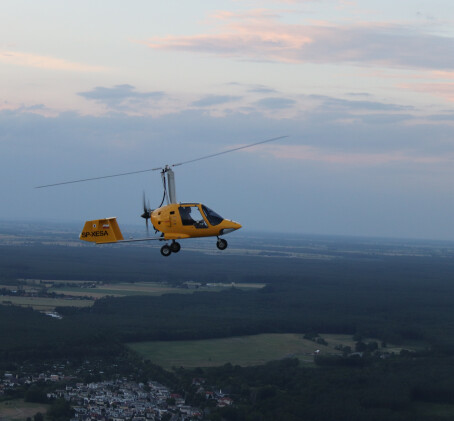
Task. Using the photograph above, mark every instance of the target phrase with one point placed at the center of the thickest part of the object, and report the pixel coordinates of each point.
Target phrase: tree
(38, 417)
(60, 410)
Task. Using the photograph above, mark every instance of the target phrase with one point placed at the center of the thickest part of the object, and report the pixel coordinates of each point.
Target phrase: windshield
(212, 216)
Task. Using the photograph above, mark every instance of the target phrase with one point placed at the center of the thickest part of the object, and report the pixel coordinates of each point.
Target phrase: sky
(364, 90)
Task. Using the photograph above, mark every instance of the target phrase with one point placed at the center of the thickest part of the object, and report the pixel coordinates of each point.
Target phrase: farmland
(99, 290)
(54, 294)
(243, 351)
(44, 303)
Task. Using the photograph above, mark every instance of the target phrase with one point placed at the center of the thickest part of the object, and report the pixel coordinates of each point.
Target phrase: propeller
(146, 211)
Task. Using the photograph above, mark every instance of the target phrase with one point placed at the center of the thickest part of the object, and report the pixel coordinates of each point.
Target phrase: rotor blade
(229, 150)
(98, 178)
(161, 168)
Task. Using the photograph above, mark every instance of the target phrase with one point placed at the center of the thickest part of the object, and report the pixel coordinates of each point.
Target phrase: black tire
(221, 244)
(175, 247)
(166, 250)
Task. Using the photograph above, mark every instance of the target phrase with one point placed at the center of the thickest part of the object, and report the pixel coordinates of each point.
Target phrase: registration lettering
(94, 234)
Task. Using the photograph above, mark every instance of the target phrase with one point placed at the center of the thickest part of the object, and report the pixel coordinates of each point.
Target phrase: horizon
(75, 227)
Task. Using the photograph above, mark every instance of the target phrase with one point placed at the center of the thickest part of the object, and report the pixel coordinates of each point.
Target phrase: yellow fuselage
(173, 221)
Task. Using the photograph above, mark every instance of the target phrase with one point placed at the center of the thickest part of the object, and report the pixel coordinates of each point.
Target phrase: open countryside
(247, 350)
(99, 290)
(49, 295)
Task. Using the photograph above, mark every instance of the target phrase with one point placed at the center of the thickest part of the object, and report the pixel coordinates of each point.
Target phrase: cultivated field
(43, 303)
(141, 288)
(100, 290)
(243, 351)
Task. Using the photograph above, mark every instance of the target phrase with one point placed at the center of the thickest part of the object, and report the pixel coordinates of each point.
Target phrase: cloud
(210, 100)
(358, 94)
(45, 62)
(275, 103)
(330, 103)
(441, 90)
(261, 89)
(120, 97)
(263, 37)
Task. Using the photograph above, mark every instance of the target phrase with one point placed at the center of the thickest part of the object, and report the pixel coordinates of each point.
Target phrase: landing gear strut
(221, 244)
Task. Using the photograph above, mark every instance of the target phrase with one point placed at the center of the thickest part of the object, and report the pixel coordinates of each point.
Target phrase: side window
(190, 215)
(185, 213)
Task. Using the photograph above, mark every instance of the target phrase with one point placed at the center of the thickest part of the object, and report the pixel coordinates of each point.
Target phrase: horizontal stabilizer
(101, 231)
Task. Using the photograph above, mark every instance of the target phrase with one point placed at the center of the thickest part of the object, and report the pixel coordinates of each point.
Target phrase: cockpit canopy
(191, 215)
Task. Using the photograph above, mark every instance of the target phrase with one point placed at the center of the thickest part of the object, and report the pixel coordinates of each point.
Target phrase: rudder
(101, 231)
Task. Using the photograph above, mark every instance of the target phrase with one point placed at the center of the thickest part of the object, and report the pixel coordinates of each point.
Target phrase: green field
(244, 351)
(106, 289)
(18, 410)
(142, 288)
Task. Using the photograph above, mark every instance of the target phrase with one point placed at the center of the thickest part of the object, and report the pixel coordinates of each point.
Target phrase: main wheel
(175, 247)
(165, 250)
(221, 244)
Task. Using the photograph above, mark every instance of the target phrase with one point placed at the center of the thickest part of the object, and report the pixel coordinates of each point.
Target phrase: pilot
(185, 213)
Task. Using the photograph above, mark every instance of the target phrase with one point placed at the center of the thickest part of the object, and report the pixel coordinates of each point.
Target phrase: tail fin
(101, 231)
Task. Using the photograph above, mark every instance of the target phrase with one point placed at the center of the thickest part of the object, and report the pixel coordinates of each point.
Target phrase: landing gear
(165, 250)
(221, 244)
(175, 247)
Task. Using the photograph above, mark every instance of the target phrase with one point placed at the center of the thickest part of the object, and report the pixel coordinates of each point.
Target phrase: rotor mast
(172, 193)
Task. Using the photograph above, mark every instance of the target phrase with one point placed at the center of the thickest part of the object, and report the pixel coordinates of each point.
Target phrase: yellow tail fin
(101, 231)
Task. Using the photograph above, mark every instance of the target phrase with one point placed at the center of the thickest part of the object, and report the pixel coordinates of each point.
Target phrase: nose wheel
(221, 244)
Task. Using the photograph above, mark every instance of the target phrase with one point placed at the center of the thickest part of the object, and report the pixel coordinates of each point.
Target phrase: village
(119, 400)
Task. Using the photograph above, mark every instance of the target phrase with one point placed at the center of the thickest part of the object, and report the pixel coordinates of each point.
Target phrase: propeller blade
(146, 211)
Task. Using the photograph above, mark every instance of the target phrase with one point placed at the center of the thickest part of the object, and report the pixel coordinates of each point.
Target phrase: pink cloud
(259, 35)
(45, 62)
(440, 90)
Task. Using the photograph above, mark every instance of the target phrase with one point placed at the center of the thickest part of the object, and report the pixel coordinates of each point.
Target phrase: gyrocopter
(175, 221)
